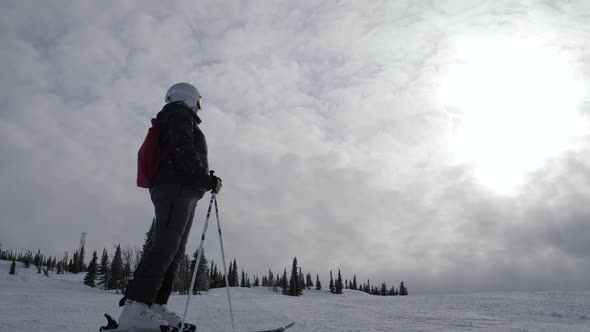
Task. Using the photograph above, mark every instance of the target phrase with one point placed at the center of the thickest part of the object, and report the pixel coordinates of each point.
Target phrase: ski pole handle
(212, 173)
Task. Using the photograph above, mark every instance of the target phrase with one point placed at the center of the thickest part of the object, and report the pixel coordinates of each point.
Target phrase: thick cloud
(321, 118)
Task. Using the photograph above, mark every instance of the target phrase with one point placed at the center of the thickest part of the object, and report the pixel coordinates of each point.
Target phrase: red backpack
(149, 156)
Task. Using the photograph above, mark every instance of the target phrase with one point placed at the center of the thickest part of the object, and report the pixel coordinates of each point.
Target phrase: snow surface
(33, 302)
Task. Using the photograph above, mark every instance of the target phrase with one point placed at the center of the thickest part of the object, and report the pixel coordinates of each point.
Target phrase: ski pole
(231, 313)
(200, 253)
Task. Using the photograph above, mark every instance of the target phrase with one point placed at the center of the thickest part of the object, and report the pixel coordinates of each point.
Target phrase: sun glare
(512, 104)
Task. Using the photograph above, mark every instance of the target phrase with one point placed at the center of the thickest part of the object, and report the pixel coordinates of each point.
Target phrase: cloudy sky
(443, 143)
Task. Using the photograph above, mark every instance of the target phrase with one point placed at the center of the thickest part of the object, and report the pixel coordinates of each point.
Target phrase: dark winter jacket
(184, 148)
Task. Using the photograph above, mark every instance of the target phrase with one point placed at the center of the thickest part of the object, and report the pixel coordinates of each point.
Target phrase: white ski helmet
(186, 93)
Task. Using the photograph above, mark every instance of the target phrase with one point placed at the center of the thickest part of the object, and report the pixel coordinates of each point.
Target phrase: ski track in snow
(61, 303)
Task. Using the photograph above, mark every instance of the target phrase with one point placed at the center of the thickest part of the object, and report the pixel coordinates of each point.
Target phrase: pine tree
(59, 268)
(202, 281)
(211, 275)
(354, 286)
(284, 285)
(235, 276)
(117, 271)
(243, 283)
(71, 265)
(27, 259)
(54, 264)
(275, 284)
(216, 278)
(332, 289)
(104, 270)
(339, 284)
(230, 274)
(37, 259)
(257, 281)
(90, 278)
(301, 280)
(12, 267)
(392, 291)
(182, 281)
(270, 278)
(65, 261)
(403, 291)
(318, 284)
(81, 266)
(308, 281)
(48, 263)
(127, 275)
(295, 288)
(75, 263)
(383, 289)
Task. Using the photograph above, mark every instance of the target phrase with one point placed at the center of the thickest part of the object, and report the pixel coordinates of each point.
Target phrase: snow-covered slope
(32, 302)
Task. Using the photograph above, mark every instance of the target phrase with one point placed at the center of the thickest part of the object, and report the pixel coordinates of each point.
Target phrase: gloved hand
(216, 184)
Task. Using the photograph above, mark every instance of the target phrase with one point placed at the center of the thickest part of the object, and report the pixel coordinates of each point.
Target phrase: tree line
(114, 273)
(45, 264)
(296, 284)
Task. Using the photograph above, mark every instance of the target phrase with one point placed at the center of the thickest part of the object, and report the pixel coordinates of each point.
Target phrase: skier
(181, 180)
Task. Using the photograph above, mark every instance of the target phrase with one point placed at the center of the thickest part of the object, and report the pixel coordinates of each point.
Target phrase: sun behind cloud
(512, 104)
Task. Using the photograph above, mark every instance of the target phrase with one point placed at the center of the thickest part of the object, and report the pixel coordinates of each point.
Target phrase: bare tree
(130, 258)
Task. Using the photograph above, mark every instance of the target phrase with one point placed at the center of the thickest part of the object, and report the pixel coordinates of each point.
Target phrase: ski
(280, 329)
(187, 328)
(113, 326)
(163, 328)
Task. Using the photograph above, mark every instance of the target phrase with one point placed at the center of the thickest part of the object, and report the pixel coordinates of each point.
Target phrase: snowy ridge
(61, 303)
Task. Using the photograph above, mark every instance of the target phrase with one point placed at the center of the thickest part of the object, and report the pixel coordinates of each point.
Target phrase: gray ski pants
(175, 209)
